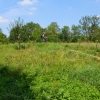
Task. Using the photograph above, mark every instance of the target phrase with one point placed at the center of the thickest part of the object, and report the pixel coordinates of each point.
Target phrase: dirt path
(85, 54)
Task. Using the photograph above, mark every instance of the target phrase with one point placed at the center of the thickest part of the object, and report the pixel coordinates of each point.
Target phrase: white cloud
(3, 20)
(27, 2)
(18, 10)
(21, 11)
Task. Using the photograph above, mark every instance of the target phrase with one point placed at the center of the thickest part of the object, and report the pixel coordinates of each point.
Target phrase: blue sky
(43, 12)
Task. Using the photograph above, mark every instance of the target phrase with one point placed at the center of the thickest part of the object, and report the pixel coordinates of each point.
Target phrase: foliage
(37, 32)
(66, 34)
(14, 84)
(52, 32)
(88, 30)
(28, 32)
(76, 33)
(90, 26)
(49, 71)
(16, 28)
(53, 28)
(3, 38)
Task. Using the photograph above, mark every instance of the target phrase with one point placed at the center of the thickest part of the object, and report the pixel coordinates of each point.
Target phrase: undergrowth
(49, 71)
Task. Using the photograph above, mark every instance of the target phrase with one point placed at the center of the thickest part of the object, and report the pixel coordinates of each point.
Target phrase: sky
(43, 12)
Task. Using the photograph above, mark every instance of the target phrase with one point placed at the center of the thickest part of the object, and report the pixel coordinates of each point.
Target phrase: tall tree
(90, 26)
(3, 38)
(37, 32)
(75, 33)
(94, 29)
(28, 31)
(66, 33)
(31, 31)
(85, 23)
(15, 28)
(52, 31)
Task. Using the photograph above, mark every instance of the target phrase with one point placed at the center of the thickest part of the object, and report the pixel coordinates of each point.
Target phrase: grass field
(50, 71)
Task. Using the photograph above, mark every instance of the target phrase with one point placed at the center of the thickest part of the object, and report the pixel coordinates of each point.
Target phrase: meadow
(50, 71)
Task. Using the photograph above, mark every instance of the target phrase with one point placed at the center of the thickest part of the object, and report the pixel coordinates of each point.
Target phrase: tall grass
(49, 71)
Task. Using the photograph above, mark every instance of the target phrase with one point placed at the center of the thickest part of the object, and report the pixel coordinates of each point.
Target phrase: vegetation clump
(49, 71)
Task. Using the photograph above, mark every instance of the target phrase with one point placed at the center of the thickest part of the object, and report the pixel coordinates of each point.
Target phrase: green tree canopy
(15, 28)
(66, 33)
(28, 31)
(75, 33)
(53, 28)
(89, 27)
(52, 31)
(3, 38)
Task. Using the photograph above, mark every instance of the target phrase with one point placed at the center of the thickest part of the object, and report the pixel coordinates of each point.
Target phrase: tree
(76, 33)
(3, 38)
(66, 33)
(37, 32)
(52, 31)
(98, 35)
(94, 29)
(89, 26)
(28, 31)
(16, 28)
(85, 26)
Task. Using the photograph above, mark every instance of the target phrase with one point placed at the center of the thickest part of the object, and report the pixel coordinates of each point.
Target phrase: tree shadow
(14, 85)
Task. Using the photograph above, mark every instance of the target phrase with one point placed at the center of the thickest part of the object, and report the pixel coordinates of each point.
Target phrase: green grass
(89, 48)
(49, 71)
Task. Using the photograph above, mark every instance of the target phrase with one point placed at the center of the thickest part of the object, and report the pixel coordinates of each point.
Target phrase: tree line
(88, 30)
